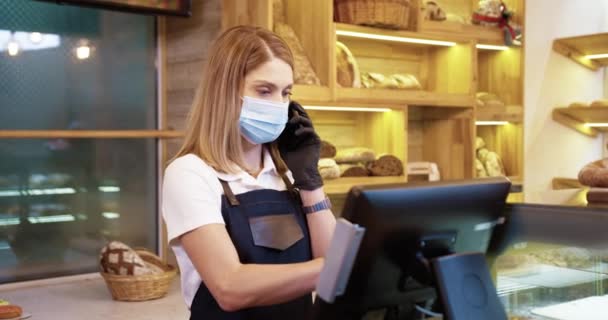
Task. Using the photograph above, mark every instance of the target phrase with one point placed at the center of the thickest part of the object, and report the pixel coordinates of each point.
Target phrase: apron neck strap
(229, 194)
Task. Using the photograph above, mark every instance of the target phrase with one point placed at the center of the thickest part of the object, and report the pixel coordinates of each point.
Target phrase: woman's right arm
(235, 285)
(191, 202)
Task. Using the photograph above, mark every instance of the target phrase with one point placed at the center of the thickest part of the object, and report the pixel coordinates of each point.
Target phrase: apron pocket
(279, 231)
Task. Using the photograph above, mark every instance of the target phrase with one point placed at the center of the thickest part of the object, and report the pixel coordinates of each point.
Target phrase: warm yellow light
(394, 38)
(491, 47)
(597, 56)
(491, 123)
(355, 109)
(13, 48)
(35, 37)
(597, 124)
(83, 52)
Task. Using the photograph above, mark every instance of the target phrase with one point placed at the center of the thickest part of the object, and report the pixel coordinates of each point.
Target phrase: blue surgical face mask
(262, 121)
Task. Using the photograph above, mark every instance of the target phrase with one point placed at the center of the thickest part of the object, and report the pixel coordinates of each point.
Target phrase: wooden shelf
(341, 186)
(566, 183)
(403, 97)
(399, 33)
(506, 113)
(576, 118)
(462, 32)
(576, 48)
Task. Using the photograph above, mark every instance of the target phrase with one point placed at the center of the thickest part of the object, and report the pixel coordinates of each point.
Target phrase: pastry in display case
(555, 265)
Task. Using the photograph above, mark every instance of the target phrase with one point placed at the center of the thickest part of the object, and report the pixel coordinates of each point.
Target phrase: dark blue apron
(266, 227)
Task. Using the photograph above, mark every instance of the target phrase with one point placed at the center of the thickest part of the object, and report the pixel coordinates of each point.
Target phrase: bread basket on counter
(141, 287)
(393, 14)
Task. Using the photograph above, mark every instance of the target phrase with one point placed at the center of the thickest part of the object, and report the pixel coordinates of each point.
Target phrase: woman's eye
(286, 94)
(264, 92)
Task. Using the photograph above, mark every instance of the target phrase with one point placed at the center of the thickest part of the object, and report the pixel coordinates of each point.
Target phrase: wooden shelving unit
(577, 118)
(436, 123)
(507, 113)
(457, 30)
(402, 97)
(577, 48)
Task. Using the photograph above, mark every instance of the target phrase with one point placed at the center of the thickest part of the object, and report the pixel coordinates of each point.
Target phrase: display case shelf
(586, 120)
(580, 48)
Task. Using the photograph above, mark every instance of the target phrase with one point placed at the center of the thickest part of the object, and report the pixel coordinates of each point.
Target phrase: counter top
(90, 299)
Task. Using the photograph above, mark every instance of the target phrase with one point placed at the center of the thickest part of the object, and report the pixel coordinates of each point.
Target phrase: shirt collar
(267, 167)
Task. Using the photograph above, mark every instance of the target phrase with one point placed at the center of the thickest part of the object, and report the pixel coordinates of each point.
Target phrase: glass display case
(554, 258)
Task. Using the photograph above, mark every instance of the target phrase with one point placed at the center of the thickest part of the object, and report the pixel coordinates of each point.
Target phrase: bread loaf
(328, 168)
(600, 103)
(119, 259)
(303, 70)
(10, 311)
(387, 165)
(578, 104)
(480, 170)
(355, 155)
(406, 81)
(327, 149)
(353, 170)
(347, 71)
(479, 143)
(595, 174)
(493, 164)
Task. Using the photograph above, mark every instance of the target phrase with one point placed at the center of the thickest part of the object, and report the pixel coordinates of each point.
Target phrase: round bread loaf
(387, 165)
(354, 171)
(355, 155)
(595, 174)
(327, 149)
(600, 103)
(119, 259)
(578, 104)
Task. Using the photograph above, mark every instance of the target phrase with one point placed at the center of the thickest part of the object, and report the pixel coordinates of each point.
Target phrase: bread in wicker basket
(392, 14)
(141, 287)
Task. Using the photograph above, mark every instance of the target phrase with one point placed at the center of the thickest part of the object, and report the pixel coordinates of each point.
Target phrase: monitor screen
(405, 226)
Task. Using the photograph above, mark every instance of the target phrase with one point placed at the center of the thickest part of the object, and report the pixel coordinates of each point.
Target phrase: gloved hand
(300, 148)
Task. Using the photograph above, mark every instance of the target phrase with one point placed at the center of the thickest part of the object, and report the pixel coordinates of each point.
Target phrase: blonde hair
(212, 132)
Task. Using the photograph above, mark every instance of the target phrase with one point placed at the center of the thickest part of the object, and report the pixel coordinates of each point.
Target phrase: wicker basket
(142, 287)
(394, 14)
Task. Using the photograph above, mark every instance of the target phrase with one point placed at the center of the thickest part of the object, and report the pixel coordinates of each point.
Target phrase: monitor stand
(464, 285)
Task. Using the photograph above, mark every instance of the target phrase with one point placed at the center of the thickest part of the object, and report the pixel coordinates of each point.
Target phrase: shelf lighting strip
(597, 56)
(394, 38)
(597, 124)
(491, 47)
(355, 109)
(491, 123)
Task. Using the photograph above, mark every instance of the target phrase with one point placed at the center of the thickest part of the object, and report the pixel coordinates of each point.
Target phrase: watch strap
(324, 204)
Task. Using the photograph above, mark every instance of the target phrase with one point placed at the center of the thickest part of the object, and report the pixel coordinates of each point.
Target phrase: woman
(243, 200)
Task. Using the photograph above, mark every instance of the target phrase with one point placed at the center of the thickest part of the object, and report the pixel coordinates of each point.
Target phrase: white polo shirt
(191, 198)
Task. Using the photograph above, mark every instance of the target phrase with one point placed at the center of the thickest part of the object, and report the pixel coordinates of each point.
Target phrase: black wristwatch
(321, 205)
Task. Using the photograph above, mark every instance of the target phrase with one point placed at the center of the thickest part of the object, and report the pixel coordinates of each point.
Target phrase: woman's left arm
(321, 224)
(300, 148)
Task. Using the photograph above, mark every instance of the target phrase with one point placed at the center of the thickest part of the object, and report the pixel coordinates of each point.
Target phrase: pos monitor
(421, 241)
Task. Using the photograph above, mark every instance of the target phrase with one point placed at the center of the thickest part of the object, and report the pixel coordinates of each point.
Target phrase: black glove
(300, 148)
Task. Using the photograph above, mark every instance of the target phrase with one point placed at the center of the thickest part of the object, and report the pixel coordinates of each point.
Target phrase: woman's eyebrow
(265, 83)
(270, 84)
